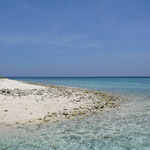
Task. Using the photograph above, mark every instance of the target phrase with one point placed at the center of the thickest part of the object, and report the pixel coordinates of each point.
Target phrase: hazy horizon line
(78, 76)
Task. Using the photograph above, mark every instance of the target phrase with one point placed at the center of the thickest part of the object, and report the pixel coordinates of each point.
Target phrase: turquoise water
(139, 87)
(125, 128)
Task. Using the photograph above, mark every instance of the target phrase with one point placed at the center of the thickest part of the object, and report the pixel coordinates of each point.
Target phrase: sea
(124, 128)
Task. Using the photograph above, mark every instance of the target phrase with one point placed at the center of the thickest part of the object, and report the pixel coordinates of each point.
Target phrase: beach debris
(76, 101)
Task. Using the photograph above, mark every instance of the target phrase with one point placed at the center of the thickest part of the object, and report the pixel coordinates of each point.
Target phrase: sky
(74, 38)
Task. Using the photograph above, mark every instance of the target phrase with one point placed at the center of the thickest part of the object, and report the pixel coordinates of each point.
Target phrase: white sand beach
(22, 102)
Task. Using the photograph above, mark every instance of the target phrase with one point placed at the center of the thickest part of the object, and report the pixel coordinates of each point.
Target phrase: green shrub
(3, 78)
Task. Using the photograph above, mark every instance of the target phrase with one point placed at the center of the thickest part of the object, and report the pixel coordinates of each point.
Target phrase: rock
(78, 100)
(3, 91)
(39, 93)
(65, 112)
(46, 120)
(75, 113)
(80, 112)
(102, 106)
(54, 114)
(76, 108)
(96, 106)
(8, 91)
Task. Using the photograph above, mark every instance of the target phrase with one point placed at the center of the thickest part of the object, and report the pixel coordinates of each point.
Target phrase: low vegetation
(3, 78)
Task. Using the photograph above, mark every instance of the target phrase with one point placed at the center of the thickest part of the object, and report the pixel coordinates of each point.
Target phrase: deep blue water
(125, 128)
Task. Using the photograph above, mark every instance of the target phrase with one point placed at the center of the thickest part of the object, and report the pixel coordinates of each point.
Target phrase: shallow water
(124, 128)
(124, 86)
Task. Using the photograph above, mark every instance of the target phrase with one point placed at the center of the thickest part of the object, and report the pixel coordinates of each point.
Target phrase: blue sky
(75, 38)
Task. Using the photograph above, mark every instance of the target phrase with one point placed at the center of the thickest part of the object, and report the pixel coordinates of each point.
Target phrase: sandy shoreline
(22, 102)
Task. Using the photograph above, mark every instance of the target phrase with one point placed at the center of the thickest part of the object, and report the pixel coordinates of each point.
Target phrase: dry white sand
(12, 84)
(23, 102)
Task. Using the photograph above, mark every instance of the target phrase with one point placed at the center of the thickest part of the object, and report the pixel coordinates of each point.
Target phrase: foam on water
(124, 128)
